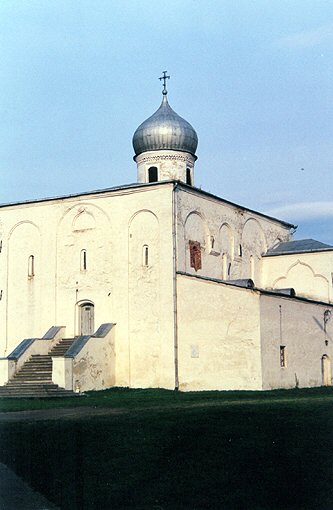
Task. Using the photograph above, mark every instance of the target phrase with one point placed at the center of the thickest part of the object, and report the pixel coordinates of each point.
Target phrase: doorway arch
(86, 318)
(326, 370)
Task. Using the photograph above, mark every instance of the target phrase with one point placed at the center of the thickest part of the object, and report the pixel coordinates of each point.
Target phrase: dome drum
(169, 165)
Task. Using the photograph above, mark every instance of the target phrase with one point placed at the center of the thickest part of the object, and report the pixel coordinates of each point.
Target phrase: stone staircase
(61, 347)
(34, 379)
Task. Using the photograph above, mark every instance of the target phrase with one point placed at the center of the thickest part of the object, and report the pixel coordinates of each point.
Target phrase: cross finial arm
(164, 78)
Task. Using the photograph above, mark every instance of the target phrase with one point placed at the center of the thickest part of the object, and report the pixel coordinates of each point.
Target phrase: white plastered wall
(222, 228)
(218, 336)
(55, 232)
(171, 165)
(310, 274)
(299, 326)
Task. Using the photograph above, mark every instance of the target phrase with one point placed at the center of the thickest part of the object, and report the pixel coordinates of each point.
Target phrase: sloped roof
(298, 246)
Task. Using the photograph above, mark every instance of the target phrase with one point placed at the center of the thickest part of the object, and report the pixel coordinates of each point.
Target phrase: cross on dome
(164, 78)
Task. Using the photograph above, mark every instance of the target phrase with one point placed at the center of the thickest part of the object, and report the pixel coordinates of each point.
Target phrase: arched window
(188, 176)
(83, 260)
(31, 266)
(152, 174)
(145, 255)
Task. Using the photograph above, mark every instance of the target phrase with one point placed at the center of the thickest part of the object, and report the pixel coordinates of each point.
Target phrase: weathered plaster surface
(232, 239)
(220, 325)
(127, 235)
(300, 327)
(111, 227)
(310, 274)
(94, 365)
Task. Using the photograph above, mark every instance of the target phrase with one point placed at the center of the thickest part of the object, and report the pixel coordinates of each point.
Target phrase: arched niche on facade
(253, 244)
(26, 269)
(83, 221)
(304, 280)
(226, 242)
(145, 314)
(24, 245)
(143, 232)
(195, 228)
(81, 237)
(195, 240)
(326, 371)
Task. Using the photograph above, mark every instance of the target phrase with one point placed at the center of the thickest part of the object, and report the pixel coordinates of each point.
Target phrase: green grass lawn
(170, 450)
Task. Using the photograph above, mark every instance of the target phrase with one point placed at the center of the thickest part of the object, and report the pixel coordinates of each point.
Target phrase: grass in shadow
(205, 450)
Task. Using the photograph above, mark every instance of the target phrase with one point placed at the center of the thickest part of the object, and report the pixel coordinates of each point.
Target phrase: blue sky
(254, 78)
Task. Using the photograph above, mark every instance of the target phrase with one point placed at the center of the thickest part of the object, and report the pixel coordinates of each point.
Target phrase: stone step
(33, 390)
(61, 347)
(37, 364)
(24, 377)
(38, 393)
(34, 366)
(31, 376)
(34, 370)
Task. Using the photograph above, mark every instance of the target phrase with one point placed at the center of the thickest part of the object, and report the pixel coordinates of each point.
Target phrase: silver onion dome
(165, 130)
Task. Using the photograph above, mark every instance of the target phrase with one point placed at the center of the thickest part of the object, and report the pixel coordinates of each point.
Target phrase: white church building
(159, 284)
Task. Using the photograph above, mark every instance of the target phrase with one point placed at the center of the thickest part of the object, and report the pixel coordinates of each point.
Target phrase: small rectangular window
(283, 356)
(83, 261)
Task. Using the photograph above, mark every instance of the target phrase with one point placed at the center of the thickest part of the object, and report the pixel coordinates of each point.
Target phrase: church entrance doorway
(326, 370)
(86, 315)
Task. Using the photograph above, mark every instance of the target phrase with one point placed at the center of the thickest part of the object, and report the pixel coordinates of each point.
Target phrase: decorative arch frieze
(142, 211)
(253, 237)
(305, 281)
(77, 209)
(300, 263)
(20, 223)
(196, 227)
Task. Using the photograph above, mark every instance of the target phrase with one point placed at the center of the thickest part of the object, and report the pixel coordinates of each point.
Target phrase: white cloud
(303, 211)
(308, 38)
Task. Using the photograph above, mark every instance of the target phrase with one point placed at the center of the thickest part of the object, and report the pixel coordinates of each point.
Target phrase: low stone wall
(89, 364)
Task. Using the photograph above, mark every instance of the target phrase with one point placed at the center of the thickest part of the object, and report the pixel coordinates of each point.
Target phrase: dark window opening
(31, 266)
(83, 260)
(195, 255)
(145, 255)
(282, 356)
(152, 174)
(188, 176)
(240, 250)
